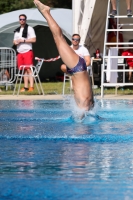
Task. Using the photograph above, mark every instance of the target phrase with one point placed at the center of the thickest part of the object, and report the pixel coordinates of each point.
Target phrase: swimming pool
(45, 154)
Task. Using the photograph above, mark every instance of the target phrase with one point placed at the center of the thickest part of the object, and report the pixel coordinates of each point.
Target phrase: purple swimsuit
(80, 67)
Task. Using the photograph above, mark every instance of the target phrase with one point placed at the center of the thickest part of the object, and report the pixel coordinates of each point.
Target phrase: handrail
(8, 65)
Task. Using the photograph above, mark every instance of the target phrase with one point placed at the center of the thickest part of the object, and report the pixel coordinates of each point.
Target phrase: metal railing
(7, 66)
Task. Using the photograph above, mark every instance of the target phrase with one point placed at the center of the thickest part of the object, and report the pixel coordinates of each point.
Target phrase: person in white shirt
(76, 65)
(80, 50)
(23, 38)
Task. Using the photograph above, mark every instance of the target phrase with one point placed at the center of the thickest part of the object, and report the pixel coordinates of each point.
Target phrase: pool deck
(57, 97)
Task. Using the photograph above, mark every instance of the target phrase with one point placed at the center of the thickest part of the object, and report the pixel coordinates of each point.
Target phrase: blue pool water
(45, 154)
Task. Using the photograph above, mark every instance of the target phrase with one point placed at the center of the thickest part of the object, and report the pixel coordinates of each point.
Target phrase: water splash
(80, 115)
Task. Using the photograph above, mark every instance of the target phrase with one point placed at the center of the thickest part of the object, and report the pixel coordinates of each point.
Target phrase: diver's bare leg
(69, 57)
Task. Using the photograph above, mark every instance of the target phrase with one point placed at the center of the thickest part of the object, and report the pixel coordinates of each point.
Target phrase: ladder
(118, 45)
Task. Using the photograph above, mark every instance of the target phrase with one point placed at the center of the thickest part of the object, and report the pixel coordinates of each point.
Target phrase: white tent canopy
(9, 22)
(45, 46)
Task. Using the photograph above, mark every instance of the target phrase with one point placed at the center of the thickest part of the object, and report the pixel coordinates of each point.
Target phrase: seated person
(129, 52)
(7, 74)
(80, 50)
(4, 75)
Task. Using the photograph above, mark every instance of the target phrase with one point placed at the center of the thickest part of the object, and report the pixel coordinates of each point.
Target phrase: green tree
(60, 3)
(11, 5)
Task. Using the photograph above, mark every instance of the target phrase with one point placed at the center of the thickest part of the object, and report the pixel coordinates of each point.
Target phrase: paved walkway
(31, 97)
(111, 96)
(56, 97)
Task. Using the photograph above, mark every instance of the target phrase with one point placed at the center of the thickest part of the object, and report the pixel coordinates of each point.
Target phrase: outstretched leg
(69, 57)
(81, 84)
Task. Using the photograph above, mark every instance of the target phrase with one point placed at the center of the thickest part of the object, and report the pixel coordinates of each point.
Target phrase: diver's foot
(41, 7)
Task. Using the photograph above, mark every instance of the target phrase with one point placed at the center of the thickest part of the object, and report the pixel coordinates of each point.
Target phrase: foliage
(11, 5)
(60, 3)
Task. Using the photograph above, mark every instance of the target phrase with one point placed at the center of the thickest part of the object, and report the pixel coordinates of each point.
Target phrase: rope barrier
(48, 60)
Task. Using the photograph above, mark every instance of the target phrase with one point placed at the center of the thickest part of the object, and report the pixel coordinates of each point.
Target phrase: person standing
(23, 38)
(80, 78)
(129, 52)
(114, 10)
(80, 50)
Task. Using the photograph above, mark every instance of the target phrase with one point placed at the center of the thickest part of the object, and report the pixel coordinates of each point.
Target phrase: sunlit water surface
(46, 154)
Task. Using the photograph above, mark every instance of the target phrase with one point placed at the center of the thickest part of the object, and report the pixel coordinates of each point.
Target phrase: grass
(56, 88)
(120, 91)
(48, 87)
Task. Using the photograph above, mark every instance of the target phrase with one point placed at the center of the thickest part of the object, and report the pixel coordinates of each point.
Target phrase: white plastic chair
(66, 78)
(90, 71)
(35, 73)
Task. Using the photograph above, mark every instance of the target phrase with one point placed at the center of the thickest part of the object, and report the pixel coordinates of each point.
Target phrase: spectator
(80, 50)
(129, 52)
(23, 38)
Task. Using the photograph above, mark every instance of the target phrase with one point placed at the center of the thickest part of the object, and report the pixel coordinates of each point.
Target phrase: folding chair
(90, 71)
(7, 66)
(35, 74)
(66, 78)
